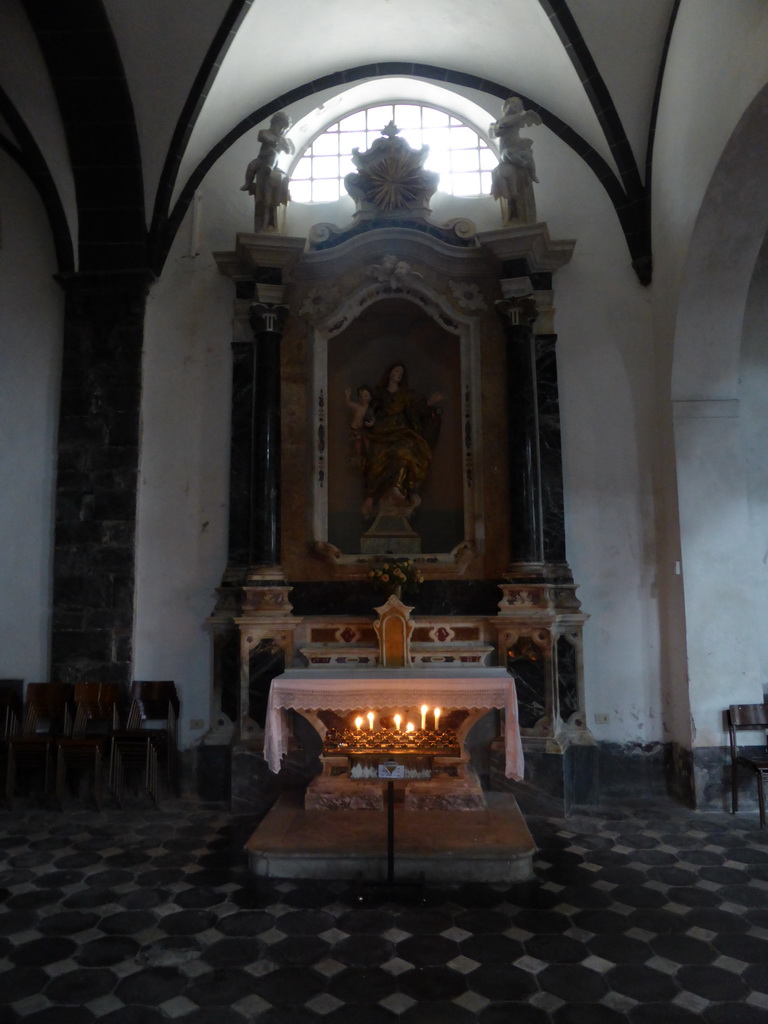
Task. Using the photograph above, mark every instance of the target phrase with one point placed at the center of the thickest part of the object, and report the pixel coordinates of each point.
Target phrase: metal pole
(390, 832)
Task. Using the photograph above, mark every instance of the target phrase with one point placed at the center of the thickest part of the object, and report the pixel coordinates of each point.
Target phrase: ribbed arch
(29, 158)
(100, 127)
(630, 208)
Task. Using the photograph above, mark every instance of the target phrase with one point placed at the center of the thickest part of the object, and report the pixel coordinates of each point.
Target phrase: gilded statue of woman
(399, 442)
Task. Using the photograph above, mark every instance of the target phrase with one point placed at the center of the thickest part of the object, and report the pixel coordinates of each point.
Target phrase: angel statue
(511, 180)
(263, 178)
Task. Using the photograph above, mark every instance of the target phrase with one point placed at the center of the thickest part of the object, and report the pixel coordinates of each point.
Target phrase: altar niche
(441, 518)
(388, 333)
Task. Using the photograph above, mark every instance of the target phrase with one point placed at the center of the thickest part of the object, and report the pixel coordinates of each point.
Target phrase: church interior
(430, 470)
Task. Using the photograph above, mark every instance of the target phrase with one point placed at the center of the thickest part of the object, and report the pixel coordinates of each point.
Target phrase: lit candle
(410, 727)
(358, 723)
(424, 710)
(398, 720)
(369, 716)
(437, 718)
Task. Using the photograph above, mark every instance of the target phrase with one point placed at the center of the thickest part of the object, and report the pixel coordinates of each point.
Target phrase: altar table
(388, 691)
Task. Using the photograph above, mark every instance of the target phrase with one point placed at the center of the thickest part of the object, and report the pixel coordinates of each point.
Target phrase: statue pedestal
(390, 535)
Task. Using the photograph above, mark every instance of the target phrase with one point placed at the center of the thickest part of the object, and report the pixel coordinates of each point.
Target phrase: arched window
(459, 155)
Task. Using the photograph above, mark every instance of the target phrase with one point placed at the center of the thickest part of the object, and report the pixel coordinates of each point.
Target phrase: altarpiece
(320, 324)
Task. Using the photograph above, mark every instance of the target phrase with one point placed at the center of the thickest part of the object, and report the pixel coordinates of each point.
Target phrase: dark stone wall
(97, 473)
(613, 773)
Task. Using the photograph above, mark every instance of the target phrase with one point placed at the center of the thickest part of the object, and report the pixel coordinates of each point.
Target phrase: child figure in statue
(263, 178)
(362, 418)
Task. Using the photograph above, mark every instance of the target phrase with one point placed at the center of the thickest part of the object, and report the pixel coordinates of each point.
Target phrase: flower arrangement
(399, 573)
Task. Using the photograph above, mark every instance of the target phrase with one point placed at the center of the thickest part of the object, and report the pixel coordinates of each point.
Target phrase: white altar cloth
(388, 691)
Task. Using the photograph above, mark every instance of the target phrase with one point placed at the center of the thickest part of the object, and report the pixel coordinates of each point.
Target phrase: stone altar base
(460, 791)
(490, 845)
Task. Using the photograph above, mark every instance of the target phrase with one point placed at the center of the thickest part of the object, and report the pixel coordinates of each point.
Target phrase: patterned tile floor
(651, 914)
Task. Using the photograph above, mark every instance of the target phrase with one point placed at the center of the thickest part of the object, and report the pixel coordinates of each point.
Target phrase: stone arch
(720, 573)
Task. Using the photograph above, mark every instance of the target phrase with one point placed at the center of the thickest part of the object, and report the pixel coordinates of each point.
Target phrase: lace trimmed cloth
(388, 691)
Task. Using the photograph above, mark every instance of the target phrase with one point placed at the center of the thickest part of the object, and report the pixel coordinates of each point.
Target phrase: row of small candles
(397, 719)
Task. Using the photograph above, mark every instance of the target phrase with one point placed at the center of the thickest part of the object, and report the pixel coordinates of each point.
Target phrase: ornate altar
(321, 326)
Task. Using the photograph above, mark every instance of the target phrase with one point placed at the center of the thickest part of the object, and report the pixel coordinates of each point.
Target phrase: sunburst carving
(391, 175)
(395, 183)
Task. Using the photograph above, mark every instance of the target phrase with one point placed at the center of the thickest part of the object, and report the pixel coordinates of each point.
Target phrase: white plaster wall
(183, 490)
(706, 224)
(30, 360)
(754, 437)
(717, 63)
(609, 429)
(719, 574)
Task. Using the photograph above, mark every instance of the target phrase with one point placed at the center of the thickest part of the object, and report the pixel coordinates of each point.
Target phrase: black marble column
(537, 521)
(550, 450)
(97, 474)
(526, 540)
(254, 518)
(267, 320)
(241, 457)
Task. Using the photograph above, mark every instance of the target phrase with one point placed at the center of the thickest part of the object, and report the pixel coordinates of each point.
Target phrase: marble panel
(254, 787)
(711, 780)
(434, 597)
(524, 522)
(550, 450)
(214, 772)
(265, 497)
(525, 660)
(267, 660)
(445, 792)
(241, 455)
(326, 793)
(567, 679)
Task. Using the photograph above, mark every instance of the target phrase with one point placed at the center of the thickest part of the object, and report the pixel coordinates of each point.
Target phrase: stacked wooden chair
(47, 718)
(11, 707)
(149, 741)
(89, 746)
(11, 710)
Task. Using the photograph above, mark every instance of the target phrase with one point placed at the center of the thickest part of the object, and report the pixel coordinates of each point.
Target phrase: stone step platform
(490, 845)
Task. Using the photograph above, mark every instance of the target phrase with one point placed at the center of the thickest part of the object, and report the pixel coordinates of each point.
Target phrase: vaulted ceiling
(116, 109)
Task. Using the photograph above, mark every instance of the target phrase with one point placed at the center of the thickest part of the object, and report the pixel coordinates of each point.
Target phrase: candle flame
(438, 712)
(398, 720)
(369, 716)
(358, 723)
(410, 727)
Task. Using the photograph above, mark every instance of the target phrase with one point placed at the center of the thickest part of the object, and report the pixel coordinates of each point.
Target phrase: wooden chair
(151, 737)
(47, 717)
(11, 708)
(96, 719)
(754, 719)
